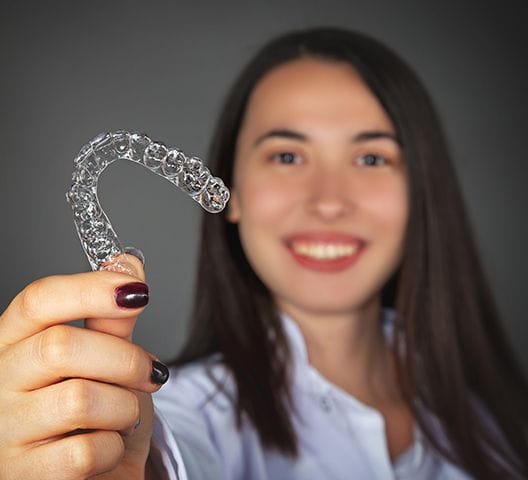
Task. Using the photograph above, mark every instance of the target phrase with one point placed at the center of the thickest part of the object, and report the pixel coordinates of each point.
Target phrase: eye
(286, 158)
(371, 159)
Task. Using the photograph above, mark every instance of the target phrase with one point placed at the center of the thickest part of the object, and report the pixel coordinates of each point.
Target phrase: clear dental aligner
(98, 239)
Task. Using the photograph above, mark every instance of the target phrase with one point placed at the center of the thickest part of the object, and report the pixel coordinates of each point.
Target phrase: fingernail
(160, 373)
(132, 295)
(137, 253)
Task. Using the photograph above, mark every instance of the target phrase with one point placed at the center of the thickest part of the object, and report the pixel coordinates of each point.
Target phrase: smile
(325, 252)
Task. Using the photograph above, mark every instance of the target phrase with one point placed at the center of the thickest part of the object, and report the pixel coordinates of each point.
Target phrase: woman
(344, 201)
(342, 325)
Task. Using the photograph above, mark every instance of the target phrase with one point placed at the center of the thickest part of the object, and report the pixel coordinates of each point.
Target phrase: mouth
(325, 254)
(324, 251)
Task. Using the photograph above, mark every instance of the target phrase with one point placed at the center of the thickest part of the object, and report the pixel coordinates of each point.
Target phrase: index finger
(62, 298)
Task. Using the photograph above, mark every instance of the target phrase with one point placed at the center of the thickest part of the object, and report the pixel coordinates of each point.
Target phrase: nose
(329, 197)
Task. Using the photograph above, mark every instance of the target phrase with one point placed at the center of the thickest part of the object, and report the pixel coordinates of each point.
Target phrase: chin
(325, 305)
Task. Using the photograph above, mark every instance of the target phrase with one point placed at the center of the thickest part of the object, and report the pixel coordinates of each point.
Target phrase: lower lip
(330, 265)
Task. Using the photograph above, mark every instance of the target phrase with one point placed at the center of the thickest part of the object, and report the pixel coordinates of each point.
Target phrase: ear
(233, 207)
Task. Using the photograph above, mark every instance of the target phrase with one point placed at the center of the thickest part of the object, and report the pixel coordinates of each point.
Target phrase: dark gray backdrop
(70, 69)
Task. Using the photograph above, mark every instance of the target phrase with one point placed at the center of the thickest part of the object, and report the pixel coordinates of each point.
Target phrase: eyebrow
(281, 133)
(361, 137)
(375, 135)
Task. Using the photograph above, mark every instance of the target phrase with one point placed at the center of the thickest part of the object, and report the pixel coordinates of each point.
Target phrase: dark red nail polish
(160, 373)
(132, 295)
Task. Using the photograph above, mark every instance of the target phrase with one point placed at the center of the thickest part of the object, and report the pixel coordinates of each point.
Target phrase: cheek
(388, 202)
(263, 201)
(264, 206)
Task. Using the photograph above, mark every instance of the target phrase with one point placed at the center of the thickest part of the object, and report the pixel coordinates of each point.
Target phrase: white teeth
(325, 251)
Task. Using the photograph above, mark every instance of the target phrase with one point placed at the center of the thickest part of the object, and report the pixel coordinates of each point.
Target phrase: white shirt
(339, 436)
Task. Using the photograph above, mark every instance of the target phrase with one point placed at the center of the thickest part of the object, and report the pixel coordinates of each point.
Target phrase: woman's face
(319, 190)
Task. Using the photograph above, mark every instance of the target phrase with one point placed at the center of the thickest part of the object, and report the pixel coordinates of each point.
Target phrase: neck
(350, 350)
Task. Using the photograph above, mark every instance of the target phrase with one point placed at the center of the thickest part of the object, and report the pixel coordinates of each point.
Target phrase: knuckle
(56, 346)
(135, 408)
(74, 402)
(117, 444)
(82, 455)
(85, 452)
(32, 298)
(135, 362)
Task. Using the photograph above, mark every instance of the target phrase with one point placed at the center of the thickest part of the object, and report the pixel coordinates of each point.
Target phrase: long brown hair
(455, 360)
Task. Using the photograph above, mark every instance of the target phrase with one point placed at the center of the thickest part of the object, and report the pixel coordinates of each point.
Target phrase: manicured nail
(160, 373)
(132, 295)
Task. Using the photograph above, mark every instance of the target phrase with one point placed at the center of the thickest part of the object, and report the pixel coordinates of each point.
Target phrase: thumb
(124, 327)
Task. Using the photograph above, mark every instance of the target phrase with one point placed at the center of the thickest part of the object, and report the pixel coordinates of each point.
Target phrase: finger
(71, 405)
(64, 351)
(62, 298)
(137, 442)
(124, 327)
(69, 458)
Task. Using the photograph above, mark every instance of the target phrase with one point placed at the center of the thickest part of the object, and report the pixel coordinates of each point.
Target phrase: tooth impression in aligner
(98, 238)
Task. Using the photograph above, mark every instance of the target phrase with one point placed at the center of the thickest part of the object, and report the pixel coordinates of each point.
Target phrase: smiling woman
(342, 324)
(294, 217)
(334, 334)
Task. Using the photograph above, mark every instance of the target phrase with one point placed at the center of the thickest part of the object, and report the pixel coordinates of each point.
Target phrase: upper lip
(323, 237)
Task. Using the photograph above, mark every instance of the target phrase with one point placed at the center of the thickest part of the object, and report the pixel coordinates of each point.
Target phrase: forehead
(310, 89)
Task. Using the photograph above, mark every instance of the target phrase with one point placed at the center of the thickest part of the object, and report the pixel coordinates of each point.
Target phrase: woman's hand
(70, 397)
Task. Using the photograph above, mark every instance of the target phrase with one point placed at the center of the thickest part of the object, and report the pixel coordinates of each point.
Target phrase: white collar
(307, 379)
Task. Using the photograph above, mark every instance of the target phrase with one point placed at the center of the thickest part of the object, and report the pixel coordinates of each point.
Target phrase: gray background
(71, 69)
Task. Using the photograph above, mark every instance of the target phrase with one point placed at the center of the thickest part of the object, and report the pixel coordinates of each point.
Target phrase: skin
(57, 378)
(315, 180)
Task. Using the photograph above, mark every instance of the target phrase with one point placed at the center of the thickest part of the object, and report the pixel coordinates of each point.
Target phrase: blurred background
(71, 69)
